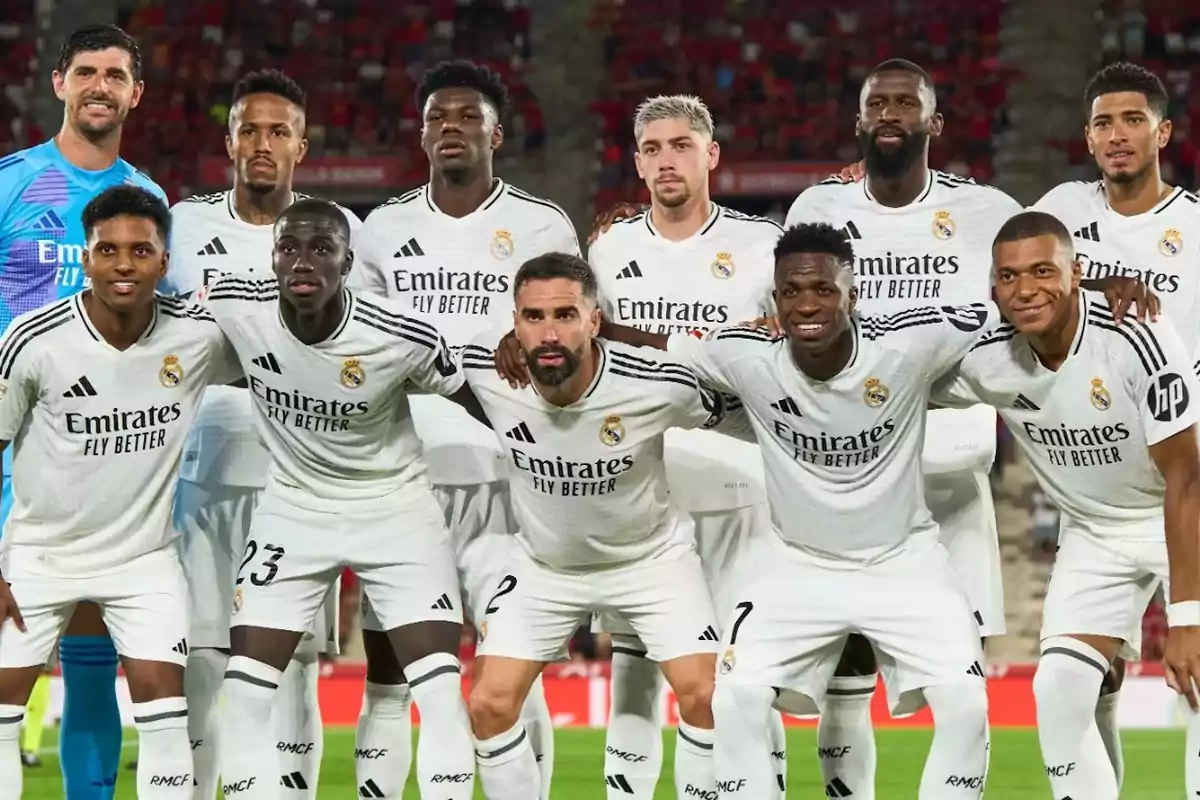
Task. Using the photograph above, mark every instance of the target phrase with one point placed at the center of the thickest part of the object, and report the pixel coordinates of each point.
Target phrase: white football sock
(1110, 733)
(445, 747)
(12, 773)
(535, 717)
(383, 741)
(777, 736)
(846, 738)
(1066, 687)
(246, 754)
(742, 762)
(958, 757)
(300, 736)
(694, 761)
(202, 680)
(633, 746)
(164, 765)
(507, 768)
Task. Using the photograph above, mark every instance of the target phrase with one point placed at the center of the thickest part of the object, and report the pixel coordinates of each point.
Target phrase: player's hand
(604, 220)
(1123, 293)
(8, 607)
(770, 323)
(852, 173)
(510, 362)
(1181, 661)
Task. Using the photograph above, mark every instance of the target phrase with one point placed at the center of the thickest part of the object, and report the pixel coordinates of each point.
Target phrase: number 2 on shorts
(507, 584)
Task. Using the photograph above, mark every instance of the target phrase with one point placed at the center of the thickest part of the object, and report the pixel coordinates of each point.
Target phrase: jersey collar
(1158, 209)
(498, 187)
(920, 198)
(855, 346)
(347, 312)
(714, 213)
(81, 310)
(1085, 300)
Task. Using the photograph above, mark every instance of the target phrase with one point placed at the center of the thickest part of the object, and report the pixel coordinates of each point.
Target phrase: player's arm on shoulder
(958, 330)
(713, 357)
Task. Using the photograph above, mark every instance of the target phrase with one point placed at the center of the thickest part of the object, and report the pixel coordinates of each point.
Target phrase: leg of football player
(298, 728)
(535, 718)
(202, 688)
(445, 749)
(90, 735)
(507, 767)
(16, 684)
(777, 741)
(383, 739)
(845, 737)
(634, 741)
(160, 714)
(741, 764)
(691, 677)
(1106, 718)
(958, 756)
(35, 721)
(1191, 760)
(1065, 688)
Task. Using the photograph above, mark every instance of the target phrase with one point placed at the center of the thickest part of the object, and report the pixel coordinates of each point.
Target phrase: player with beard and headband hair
(1131, 222)
(448, 250)
(921, 237)
(42, 192)
(225, 465)
(685, 263)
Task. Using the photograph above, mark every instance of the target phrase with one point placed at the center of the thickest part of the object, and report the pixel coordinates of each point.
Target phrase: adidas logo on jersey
(976, 670)
(788, 406)
(213, 248)
(521, 433)
(1091, 232)
(1025, 404)
(443, 603)
(709, 635)
(630, 271)
(81, 388)
(293, 781)
(410, 249)
(180, 647)
(850, 231)
(836, 788)
(268, 363)
(50, 222)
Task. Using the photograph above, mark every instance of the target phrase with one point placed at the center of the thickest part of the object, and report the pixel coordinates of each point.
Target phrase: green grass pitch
(1153, 759)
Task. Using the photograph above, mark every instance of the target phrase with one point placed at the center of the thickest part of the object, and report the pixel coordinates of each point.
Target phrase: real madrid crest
(722, 266)
(352, 376)
(943, 227)
(875, 393)
(502, 245)
(1171, 243)
(612, 432)
(482, 631)
(237, 600)
(728, 662)
(1099, 396)
(171, 374)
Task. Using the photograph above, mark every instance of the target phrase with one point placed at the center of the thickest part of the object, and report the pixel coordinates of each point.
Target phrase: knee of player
(494, 708)
(153, 680)
(694, 693)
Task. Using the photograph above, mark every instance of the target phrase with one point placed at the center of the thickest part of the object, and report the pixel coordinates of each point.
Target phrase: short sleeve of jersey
(18, 380)
(1163, 381)
(712, 357)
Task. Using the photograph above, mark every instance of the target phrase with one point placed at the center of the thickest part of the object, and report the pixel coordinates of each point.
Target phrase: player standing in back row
(42, 191)
(921, 237)
(449, 251)
(686, 263)
(225, 464)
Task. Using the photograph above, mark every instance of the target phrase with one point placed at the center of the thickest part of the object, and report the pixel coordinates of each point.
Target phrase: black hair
(1030, 225)
(319, 208)
(1125, 77)
(903, 65)
(127, 201)
(549, 266)
(466, 75)
(269, 81)
(815, 237)
(92, 38)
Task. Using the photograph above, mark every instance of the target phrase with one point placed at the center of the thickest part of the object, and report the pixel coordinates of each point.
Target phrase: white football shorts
(534, 609)
(397, 546)
(1102, 587)
(723, 540)
(213, 520)
(144, 604)
(961, 504)
(789, 625)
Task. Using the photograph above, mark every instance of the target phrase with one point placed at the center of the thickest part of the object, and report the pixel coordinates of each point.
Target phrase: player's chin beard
(1124, 177)
(895, 163)
(552, 376)
(95, 133)
(673, 200)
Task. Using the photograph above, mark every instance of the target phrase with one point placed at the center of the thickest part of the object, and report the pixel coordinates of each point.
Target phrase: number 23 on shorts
(264, 570)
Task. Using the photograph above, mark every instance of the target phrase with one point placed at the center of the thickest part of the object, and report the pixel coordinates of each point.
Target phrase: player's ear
(637, 162)
(595, 318)
(60, 85)
(936, 123)
(166, 263)
(1164, 133)
(1087, 137)
(497, 136)
(138, 88)
(714, 154)
(1076, 274)
(852, 299)
(87, 260)
(348, 264)
(301, 150)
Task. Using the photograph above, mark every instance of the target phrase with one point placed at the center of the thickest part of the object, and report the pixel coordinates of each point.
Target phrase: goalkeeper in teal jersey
(42, 193)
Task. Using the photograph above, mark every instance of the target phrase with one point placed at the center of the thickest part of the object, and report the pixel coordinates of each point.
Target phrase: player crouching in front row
(97, 393)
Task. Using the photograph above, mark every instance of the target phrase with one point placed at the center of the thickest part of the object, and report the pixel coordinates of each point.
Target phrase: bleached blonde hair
(673, 106)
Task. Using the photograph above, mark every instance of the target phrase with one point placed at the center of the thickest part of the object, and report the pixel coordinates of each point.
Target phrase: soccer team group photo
(821, 422)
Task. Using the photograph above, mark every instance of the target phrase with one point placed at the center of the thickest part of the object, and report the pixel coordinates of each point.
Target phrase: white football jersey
(589, 486)
(1086, 429)
(843, 456)
(334, 415)
(458, 273)
(1161, 246)
(937, 250)
(97, 432)
(723, 275)
(208, 240)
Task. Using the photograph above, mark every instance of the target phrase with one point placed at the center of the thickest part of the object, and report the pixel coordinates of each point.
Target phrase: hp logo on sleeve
(967, 319)
(1168, 397)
